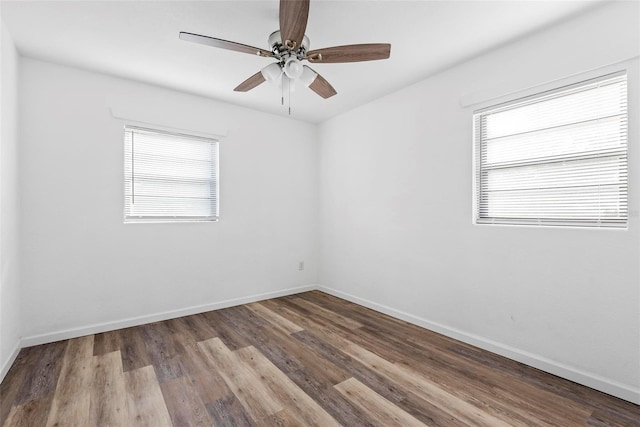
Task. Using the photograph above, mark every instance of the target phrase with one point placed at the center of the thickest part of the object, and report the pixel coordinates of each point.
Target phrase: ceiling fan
(290, 46)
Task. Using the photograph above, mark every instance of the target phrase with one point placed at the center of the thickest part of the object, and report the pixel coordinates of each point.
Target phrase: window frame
(542, 92)
(213, 139)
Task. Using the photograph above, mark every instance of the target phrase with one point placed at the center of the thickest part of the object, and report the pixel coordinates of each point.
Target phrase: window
(169, 176)
(556, 158)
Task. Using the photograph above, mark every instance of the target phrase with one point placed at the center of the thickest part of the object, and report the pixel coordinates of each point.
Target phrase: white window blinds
(557, 158)
(169, 177)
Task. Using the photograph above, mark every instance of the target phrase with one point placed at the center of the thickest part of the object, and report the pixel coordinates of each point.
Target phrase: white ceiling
(139, 40)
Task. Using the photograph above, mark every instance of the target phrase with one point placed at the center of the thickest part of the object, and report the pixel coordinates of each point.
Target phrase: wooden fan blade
(322, 87)
(350, 53)
(293, 22)
(224, 44)
(251, 82)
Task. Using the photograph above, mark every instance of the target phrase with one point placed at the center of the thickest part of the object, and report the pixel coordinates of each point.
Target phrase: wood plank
(229, 412)
(410, 402)
(319, 311)
(305, 409)
(203, 328)
(352, 366)
(425, 411)
(181, 332)
(315, 378)
(243, 312)
(30, 414)
(144, 399)
(226, 333)
(513, 396)
(71, 401)
(259, 336)
(256, 399)
(184, 404)
(378, 321)
(132, 348)
(41, 379)
(382, 410)
(108, 393)
(332, 401)
(540, 385)
(203, 377)
(284, 325)
(162, 351)
(458, 377)
(415, 382)
(14, 380)
(277, 306)
(602, 418)
(106, 342)
(307, 318)
(283, 418)
(195, 327)
(307, 356)
(517, 414)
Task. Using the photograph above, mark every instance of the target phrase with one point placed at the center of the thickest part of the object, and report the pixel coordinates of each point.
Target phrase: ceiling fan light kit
(272, 73)
(293, 68)
(290, 46)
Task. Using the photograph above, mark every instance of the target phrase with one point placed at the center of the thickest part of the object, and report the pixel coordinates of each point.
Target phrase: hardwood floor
(308, 359)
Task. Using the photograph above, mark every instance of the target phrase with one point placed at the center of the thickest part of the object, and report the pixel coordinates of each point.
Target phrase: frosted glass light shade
(272, 73)
(293, 68)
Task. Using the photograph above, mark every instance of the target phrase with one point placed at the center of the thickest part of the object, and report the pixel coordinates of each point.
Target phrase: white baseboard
(614, 388)
(9, 362)
(141, 320)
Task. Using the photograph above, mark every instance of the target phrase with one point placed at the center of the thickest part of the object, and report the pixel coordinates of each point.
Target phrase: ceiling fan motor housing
(278, 48)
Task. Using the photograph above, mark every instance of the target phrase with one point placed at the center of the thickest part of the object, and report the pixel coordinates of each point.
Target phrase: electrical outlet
(301, 265)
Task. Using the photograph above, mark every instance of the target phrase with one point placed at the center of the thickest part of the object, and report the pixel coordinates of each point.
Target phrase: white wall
(9, 203)
(82, 266)
(396, 218)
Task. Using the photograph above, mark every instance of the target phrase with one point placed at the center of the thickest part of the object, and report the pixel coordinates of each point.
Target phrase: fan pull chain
(289, 87)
